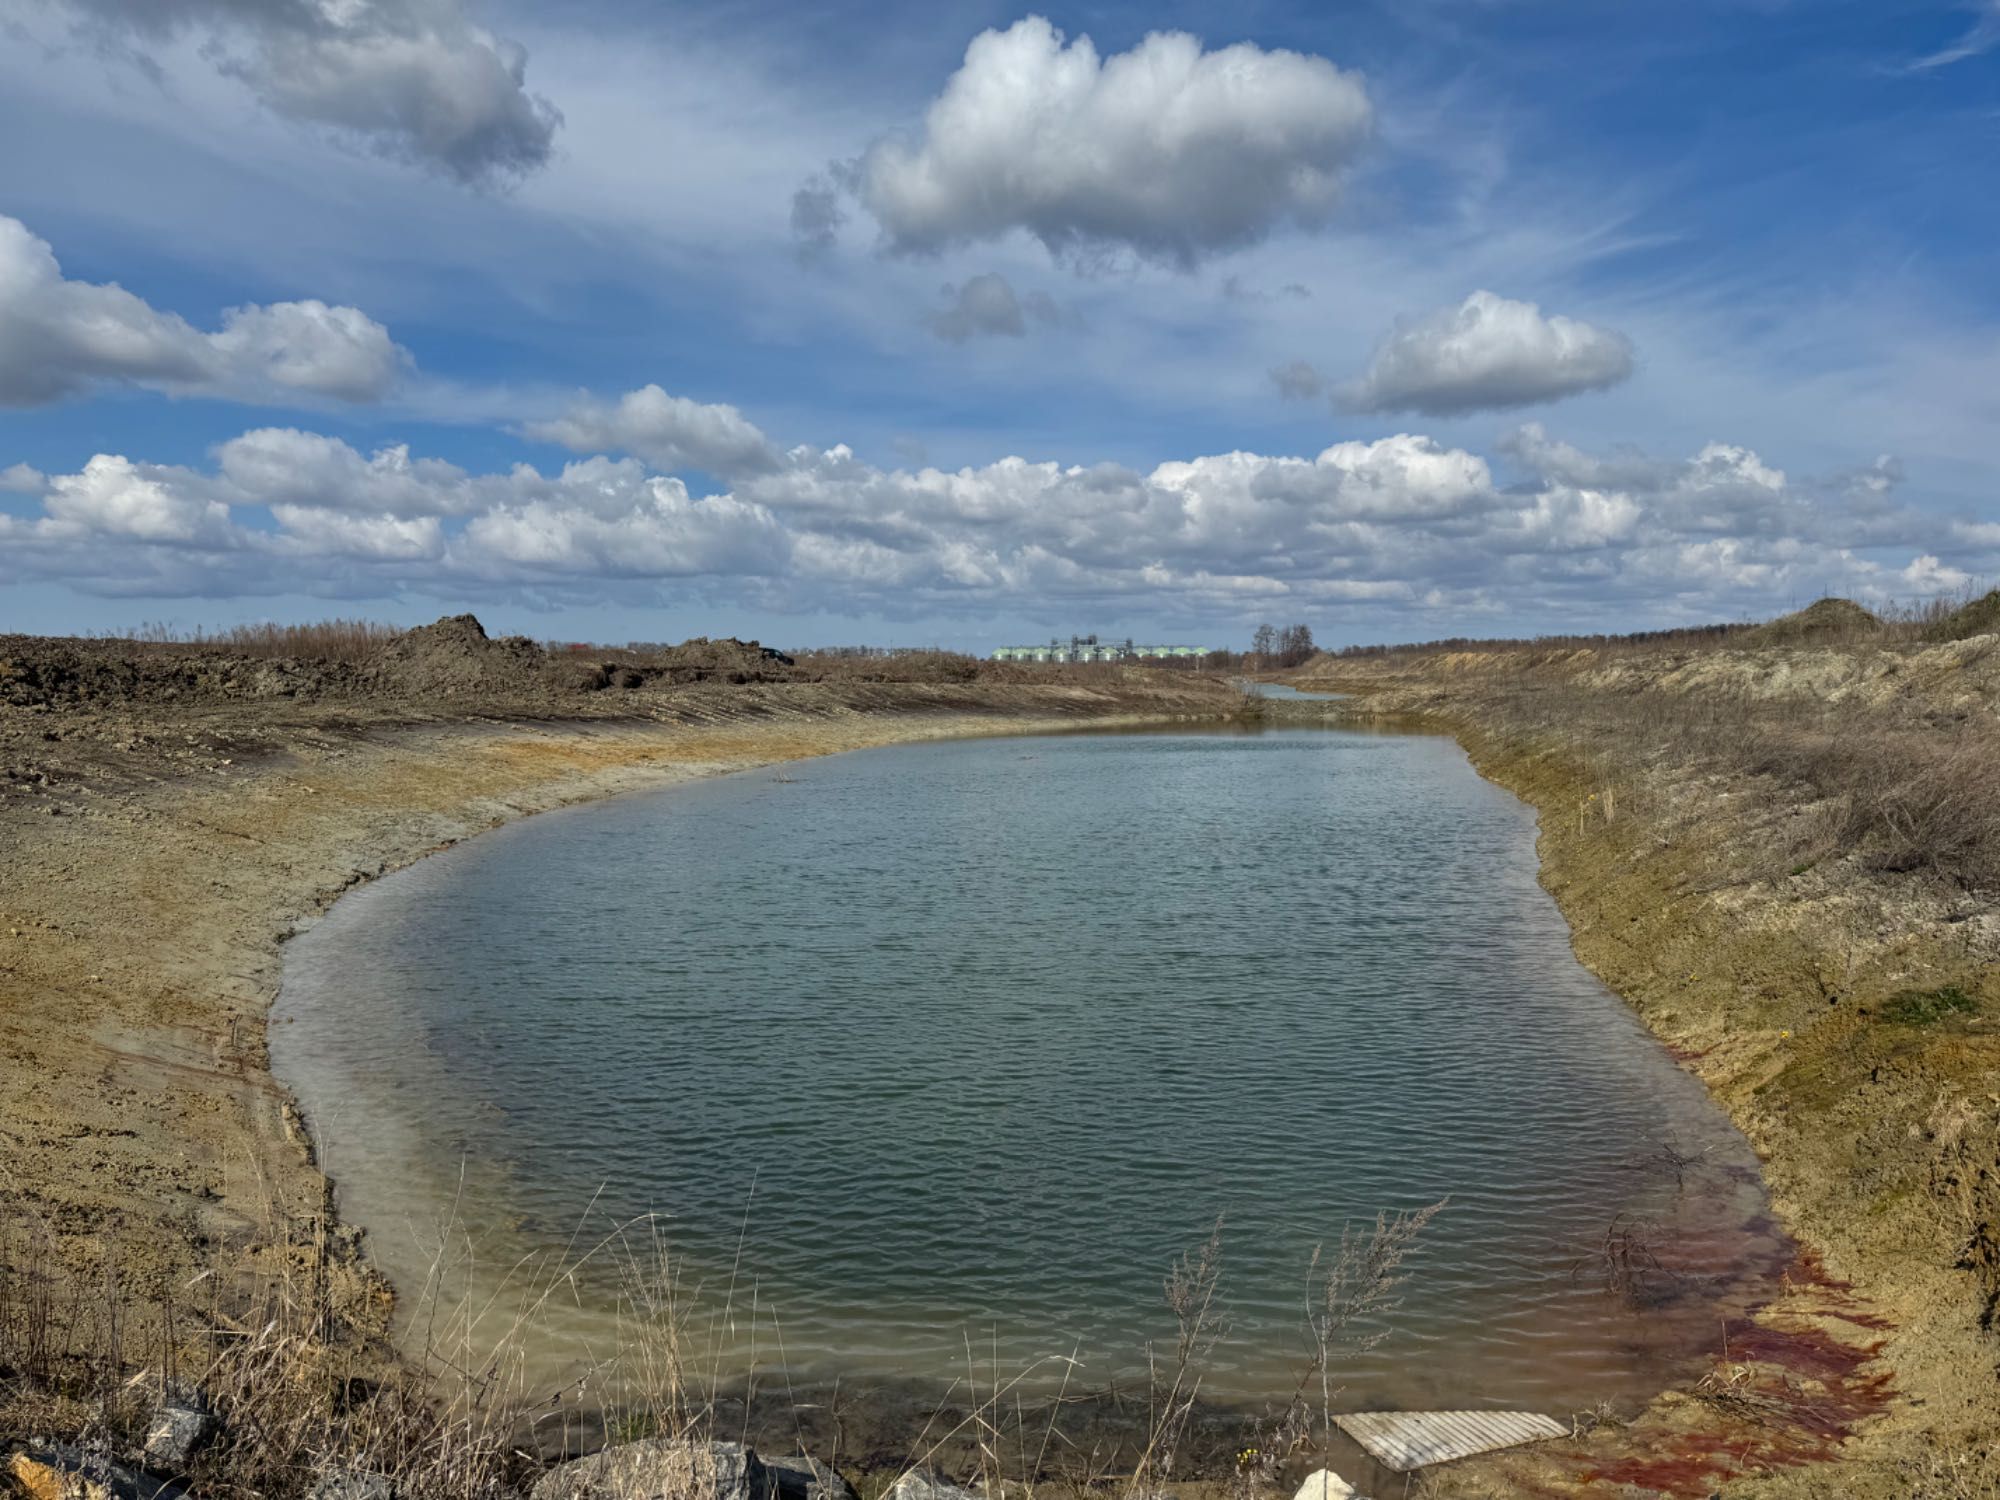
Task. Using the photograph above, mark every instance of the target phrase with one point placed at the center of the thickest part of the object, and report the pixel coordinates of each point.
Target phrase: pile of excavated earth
(452, 659)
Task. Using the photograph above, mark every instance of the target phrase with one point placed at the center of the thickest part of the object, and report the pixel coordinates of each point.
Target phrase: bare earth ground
(163, 825)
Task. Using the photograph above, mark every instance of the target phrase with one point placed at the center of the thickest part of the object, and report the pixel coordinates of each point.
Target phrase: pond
(964, 1043)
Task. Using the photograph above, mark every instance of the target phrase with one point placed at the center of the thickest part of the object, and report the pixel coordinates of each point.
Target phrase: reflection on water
(977, 1037)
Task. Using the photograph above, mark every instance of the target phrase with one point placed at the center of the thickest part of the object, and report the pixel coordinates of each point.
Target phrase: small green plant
(1925, 1007)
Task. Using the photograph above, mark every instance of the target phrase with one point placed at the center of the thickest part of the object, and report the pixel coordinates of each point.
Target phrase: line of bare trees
(1281, 645)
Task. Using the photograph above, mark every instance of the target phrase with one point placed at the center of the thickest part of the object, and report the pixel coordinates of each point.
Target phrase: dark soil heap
(455, 657)
(1820, 623)
(55, 673)
(724, 660)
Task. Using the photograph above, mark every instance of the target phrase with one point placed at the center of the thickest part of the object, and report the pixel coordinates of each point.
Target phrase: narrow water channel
(962, 1044)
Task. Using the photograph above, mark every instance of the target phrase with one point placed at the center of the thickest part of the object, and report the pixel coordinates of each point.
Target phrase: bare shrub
(1626, 1263)
(1350, 1296)
(1189, 1289)
(319, 640)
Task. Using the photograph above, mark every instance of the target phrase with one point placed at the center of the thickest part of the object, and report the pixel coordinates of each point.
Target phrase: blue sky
(1405, 320)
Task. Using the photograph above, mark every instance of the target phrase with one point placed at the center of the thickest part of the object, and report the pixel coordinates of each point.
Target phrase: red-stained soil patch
(1784, 1396)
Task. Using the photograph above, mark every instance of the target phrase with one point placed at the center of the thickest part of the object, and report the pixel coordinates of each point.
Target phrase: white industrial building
(1088, 648)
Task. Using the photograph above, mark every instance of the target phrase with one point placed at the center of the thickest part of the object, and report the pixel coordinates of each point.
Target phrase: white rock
(1324, 1484)
(922, 1484)
(353, 1484)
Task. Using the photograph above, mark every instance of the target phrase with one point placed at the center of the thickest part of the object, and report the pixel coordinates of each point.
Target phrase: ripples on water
(998, 1028)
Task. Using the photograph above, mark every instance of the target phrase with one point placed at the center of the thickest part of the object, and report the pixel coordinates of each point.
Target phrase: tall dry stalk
(1190, 1290)
(1350, 1298)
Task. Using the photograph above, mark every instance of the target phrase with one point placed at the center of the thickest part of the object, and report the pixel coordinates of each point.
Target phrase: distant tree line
(1685, 635)
(1281, 645)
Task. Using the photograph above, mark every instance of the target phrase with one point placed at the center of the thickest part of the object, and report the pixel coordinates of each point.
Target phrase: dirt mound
(723, 660)
(55, 673)
(1820, 622)
(455, 657)
(1980, 616)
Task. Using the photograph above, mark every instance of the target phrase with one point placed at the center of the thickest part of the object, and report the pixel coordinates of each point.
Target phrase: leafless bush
(1733, 1388)
(319, 640)
(1626, 1263)
(1670, 1159)
(1190, 1289)
(1349, 1298)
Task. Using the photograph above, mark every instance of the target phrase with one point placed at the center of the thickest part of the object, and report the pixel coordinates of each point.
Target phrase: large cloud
(1402, 525)
(670, 431)
(412, 79)
(1488, 353)
(1167, 152)
(59, 336)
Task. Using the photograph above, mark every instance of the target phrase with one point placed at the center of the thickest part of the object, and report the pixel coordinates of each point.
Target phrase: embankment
(1787, 861)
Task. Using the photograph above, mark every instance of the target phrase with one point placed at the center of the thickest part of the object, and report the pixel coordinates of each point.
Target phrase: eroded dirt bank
(165, 827)
(1783, 860)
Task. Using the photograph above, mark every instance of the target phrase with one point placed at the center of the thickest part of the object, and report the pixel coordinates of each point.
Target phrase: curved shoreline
(131, 1005)
(142, 918)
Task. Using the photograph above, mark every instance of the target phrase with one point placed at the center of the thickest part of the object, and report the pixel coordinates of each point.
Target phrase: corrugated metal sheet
(1406, 1440)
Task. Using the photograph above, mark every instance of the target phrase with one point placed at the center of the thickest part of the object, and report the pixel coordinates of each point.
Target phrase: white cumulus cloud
(1487, 354)
(59, 336)
(1402, 528)
(1168, 152)
(671, 431)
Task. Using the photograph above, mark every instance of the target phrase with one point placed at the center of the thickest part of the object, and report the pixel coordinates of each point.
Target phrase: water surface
(977, 1037)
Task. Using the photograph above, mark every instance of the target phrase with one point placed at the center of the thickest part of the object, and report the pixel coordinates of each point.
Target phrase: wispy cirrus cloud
(1979, 38)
